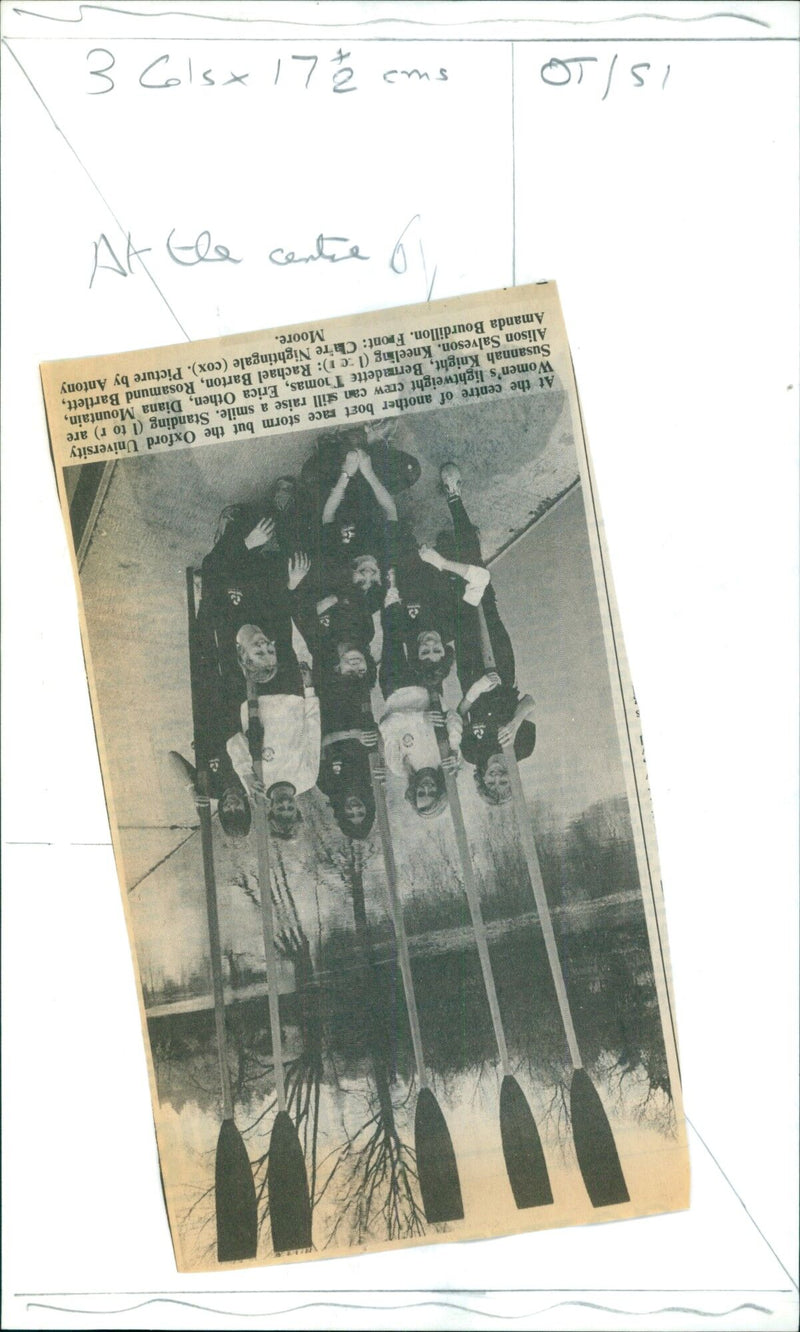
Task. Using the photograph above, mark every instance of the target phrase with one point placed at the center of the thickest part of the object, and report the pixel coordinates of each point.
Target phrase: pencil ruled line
(740, 1199)
(513, 178)
(465, 1291)
(89, 176)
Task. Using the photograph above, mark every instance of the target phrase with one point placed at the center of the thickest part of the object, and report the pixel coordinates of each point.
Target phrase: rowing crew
(322, 557)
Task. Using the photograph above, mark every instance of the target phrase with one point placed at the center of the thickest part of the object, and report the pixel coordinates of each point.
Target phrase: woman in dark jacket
(492, 709)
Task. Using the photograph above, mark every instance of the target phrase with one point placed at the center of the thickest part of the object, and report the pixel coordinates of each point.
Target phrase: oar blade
(594, 1144)
(522, 1148)
(436, 1162)
(235, 1191)
(287, 1187)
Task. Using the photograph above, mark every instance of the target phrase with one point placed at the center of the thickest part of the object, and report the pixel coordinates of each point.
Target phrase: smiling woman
(359, 718)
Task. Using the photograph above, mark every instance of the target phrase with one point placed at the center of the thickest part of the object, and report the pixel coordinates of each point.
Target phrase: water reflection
(349, 1060)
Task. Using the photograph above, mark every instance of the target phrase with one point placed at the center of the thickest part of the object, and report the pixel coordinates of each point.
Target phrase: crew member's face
(283, 804)
(496, 778)
(258, 651)
(366, 574)
(354, 438)
(355, 809)
(426, 792)
(232, 801)
(283, 494)
(347, 532)
(431, 647)
(352, 663)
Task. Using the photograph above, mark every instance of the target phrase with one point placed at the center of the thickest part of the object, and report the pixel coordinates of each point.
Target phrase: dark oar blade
(289, 1206)
(436, 1162)
(522, 1148)
(237, 1221)
(594, 1143)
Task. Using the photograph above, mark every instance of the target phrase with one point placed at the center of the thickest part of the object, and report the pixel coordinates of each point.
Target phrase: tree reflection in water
(348, 1056)
(372, 1175)
(303, 1076)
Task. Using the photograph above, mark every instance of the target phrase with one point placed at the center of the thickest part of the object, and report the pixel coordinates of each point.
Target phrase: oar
(437, 1170)
(234, 1187)
(595, 1148)
(287, 1184)
(522, 1147)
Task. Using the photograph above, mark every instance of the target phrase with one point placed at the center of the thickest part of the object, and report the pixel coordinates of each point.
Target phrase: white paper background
(669, 219)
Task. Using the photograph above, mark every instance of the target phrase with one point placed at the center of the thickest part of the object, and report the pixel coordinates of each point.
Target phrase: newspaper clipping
(375, 781)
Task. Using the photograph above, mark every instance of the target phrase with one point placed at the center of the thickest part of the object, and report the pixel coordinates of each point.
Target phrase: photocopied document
(184, 184)
(346, 706)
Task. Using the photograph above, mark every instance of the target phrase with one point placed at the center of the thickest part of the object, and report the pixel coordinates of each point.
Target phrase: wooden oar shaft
(471, 890)
(265, 893)
(540, 897)
(396, 914)
(534, 869)
(203, 806)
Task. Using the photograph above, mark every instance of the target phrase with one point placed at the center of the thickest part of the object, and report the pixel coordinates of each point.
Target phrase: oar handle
(470, 885)
(255, 732)
(376, 756)
(534, 869)
(203, 807)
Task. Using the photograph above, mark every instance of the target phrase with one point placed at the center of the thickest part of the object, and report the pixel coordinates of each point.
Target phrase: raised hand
(434, 717)
(261, 534)
(505, 735)
(450, 763)
(379, 773)
(299, 565)
(377, 487)
(351, 461)
(487, 682)
(431, 556)
(369, 739)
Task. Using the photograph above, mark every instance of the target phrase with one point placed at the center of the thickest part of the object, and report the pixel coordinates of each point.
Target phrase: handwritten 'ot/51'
(300, 71)
(163, 73)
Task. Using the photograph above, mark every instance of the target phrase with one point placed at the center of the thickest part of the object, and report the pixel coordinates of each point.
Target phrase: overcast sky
(547, 598)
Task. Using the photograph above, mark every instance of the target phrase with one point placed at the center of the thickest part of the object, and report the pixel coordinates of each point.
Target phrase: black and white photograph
(385, 850)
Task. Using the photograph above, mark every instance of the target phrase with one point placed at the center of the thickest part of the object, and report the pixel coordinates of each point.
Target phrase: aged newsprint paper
(375, 780)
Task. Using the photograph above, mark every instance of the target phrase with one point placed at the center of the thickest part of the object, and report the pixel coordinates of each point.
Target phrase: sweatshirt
(291, 746)
(408, 740)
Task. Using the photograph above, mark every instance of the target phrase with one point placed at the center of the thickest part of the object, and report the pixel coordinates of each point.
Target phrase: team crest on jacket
(413, 611)
(235, 594)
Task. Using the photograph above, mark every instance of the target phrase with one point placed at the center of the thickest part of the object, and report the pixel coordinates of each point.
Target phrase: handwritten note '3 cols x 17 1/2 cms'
(309, 173)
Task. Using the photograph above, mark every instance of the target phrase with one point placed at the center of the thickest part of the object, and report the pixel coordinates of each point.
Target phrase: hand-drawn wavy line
(366, 23)
(393, 1308)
